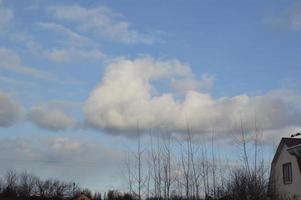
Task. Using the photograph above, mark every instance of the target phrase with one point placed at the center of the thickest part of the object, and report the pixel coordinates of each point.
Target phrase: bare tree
(139, 175)
(196, 168)
(213, 165)
(186, 163)
(156, 161)
(11, 181)
(167, 165)
(244, 146)
(205, 170)
(129, 171)
(27, 183)
(139, 157)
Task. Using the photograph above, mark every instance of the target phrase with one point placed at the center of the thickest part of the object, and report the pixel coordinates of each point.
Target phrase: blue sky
(78, 73)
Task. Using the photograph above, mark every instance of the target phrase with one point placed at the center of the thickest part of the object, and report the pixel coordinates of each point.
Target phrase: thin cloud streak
(10, 60)
(100, 21)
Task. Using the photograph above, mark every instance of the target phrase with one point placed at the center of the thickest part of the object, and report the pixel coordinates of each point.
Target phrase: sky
(78, 78)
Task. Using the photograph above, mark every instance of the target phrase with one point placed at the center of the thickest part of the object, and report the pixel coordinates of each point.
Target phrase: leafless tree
(11, 180)
(129, 171)
(244, 146)
(167, 165)
(186, 163)
(138, 175)
(213, 165)
(156, 162)
(27, 184)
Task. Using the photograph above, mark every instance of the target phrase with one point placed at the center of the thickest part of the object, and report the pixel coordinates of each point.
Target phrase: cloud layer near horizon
(79, 160)
(126, 96)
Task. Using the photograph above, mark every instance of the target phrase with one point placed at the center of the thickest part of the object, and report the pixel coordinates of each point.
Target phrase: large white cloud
(10, 111)
(126, 97)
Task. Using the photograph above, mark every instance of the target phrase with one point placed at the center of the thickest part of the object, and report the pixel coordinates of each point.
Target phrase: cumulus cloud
(47, 117)
(100, 21)
(10, 111)
(126, 96)
(10, 60)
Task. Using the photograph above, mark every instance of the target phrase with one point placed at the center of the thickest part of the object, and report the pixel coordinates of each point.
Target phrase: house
(285, 176)
(81, 197)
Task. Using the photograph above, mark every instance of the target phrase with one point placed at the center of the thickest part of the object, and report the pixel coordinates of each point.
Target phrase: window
(287, 173)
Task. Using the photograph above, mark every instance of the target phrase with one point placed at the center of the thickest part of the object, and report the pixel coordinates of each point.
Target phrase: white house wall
(295, 187)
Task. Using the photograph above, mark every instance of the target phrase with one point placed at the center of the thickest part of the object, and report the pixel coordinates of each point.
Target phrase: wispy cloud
(10, 81)
(73, 54)
(72, 46)
(101, 21)
(24, 38)
(287, 19)
(6, 15)
(10, 60)
(71, 38)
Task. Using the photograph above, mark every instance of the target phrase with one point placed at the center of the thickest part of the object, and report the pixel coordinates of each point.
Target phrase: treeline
(167, 168)
(27, 186)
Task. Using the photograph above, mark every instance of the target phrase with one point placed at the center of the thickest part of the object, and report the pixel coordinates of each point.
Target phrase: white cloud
(125, 97)
(10, 111)
(51, 118)
(10, 60)
(101, 21)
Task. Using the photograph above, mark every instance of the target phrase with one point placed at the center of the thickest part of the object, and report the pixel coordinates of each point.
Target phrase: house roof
(81, 196)
(289, 142)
